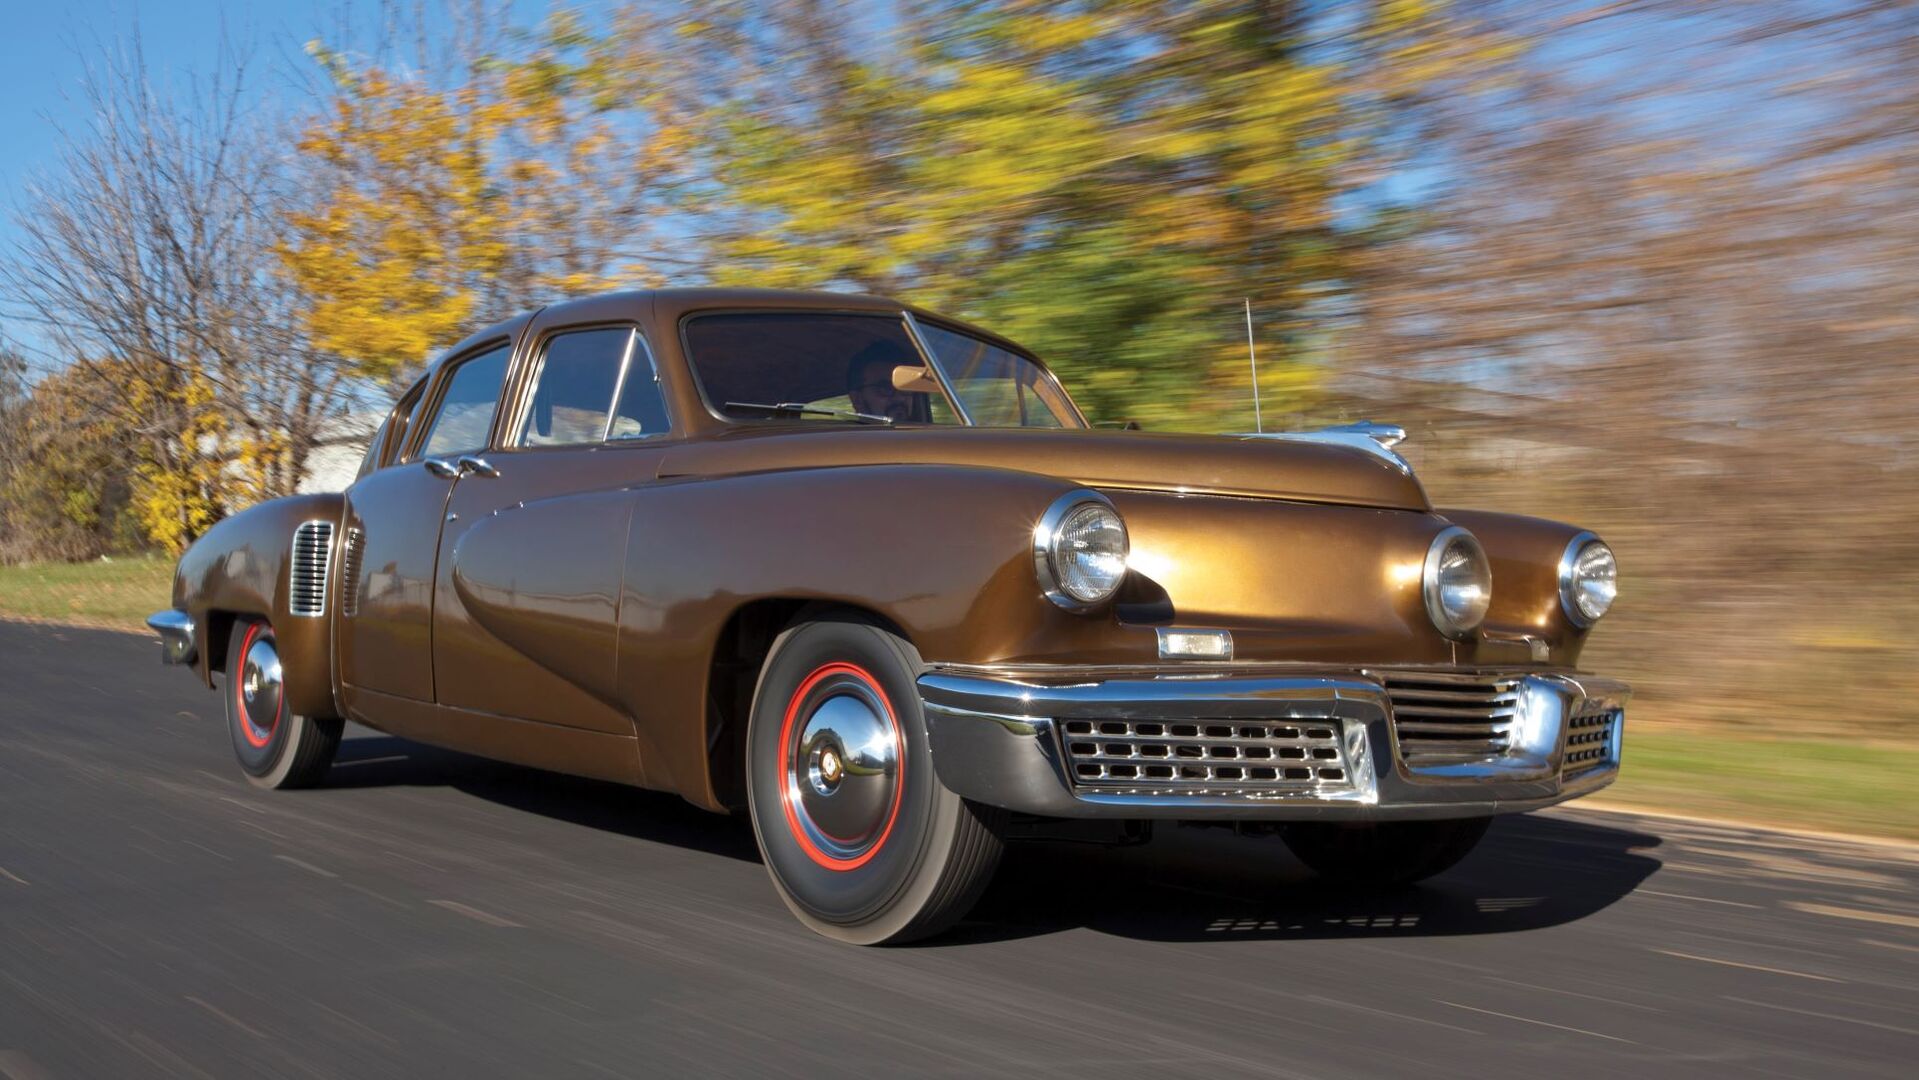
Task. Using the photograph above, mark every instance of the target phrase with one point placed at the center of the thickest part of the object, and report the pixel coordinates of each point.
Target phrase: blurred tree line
(1645, 265)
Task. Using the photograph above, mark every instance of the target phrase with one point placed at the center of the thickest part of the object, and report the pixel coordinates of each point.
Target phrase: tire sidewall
(266, 766)
(878, 899)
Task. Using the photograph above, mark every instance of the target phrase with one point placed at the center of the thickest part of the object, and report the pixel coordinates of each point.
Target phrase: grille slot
(350, 554)
(1589, 740)
(1443, 718)
(306, 587)
(1206, 757)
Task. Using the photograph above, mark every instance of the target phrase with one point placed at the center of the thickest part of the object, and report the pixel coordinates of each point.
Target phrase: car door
(524, 622)
(393, 520)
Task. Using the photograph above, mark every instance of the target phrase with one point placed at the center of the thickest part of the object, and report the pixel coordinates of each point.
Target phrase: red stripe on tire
(812, 850)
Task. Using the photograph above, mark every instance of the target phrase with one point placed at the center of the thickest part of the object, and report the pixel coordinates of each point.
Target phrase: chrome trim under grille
(1206, 756)
(1589, 738)
(350, 555)
(1448, 717)
(307, 574)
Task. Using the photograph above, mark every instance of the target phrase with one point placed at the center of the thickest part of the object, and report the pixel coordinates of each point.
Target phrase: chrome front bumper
(179, 638)
(1005, 741)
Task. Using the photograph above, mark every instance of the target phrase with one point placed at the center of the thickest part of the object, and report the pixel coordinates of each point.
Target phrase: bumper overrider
(1274, 747)
(179, 638)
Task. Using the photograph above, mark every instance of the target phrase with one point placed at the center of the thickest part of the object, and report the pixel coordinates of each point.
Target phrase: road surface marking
(1826, 1016)
(307, 866)
(11, 876)
(1541, 1023)
(1701, 899)
(229, 1018)
(1887, 917)
(473, 913)
(1386, 1012)
(1748, 967)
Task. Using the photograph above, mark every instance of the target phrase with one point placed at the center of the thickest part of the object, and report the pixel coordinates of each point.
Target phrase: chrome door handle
(440, 467)
(475, 465)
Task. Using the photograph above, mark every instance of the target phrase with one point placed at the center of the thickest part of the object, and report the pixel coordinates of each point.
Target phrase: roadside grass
(118, 592)
(1830, 785)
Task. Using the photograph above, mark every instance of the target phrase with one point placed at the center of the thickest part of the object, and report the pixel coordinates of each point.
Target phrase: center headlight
(1588, 579)
(1079, 550)
(1458, 582)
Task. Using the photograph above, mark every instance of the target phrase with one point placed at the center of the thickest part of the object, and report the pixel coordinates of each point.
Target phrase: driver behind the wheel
(869, 385)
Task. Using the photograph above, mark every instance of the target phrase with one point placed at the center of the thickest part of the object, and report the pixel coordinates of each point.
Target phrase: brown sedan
(867, 573)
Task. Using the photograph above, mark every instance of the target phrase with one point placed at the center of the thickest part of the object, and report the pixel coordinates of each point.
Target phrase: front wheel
(1383, 852)
(863, 842)
(276, 748)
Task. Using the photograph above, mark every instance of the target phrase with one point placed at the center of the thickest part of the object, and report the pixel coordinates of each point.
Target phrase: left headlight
(1079, 550)
(1458, 582)
(1588, 579)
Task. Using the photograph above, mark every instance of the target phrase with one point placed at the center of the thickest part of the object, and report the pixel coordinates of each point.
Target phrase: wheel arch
(738, 656)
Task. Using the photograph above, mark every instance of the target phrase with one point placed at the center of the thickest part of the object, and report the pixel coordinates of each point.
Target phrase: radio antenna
(1252, 358)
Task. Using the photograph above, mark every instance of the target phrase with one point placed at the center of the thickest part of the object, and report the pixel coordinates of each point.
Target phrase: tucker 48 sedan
(868, 575)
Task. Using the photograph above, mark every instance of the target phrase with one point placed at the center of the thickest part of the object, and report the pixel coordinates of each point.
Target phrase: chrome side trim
(179, 637)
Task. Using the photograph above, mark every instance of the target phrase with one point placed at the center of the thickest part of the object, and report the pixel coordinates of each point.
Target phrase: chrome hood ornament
(1364, 435)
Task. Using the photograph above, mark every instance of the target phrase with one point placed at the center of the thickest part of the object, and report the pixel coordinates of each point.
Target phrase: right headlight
(1079, 550)
(1458, 582)
(1588, 579)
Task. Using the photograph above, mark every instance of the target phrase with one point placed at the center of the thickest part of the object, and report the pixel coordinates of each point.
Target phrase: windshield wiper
(794, 408)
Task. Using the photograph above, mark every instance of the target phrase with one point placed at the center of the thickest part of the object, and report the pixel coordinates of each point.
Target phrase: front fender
(942, 552)
(240, 568)
(1525, 553)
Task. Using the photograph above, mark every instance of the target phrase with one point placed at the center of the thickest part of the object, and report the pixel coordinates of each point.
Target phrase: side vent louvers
(306, 587)
(350, 572)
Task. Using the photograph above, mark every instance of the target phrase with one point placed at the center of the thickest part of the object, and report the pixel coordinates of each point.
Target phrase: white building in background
(336, 456)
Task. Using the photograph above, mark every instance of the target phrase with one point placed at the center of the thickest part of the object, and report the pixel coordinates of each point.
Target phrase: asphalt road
(429, 913)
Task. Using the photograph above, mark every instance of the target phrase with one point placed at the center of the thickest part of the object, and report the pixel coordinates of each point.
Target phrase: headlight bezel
(1431, 589)
(1569, 582)
(1046, 533)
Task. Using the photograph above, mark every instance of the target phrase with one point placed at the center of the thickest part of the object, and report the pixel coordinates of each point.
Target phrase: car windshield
(834, 367)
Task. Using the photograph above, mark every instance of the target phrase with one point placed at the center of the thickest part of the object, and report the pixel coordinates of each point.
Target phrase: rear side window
(592, 385)
(465, 413)
(392, 433)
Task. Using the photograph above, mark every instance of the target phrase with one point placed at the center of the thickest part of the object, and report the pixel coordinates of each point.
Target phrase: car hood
(1248, 466)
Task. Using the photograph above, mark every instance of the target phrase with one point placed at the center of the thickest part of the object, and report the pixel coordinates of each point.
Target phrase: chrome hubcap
(260, 687)
(846, 773)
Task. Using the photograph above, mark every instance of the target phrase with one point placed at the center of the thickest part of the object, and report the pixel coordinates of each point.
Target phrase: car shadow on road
(1191, 884)
(1187, 884)
(374, 760)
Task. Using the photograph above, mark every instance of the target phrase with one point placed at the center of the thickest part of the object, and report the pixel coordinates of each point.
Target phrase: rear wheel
(1383, 852)
(863, 842)
(275, 748)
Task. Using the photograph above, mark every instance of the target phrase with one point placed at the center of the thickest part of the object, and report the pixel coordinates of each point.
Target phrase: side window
(466, 406)
(999, 388)
(392, 432)
(592, 385)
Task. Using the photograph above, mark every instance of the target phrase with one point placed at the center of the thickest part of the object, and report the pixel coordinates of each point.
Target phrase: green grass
(1828, 784)
(1823, 784)
(121, 591)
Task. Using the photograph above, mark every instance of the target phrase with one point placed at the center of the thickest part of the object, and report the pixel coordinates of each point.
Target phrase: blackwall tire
(1384, 853)
(861, 840)
(275, 748)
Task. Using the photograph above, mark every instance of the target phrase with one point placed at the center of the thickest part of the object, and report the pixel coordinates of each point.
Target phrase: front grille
(1442, 718)
(1206, 757)
(350, 554)
(1589, 739)
(306, 584)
